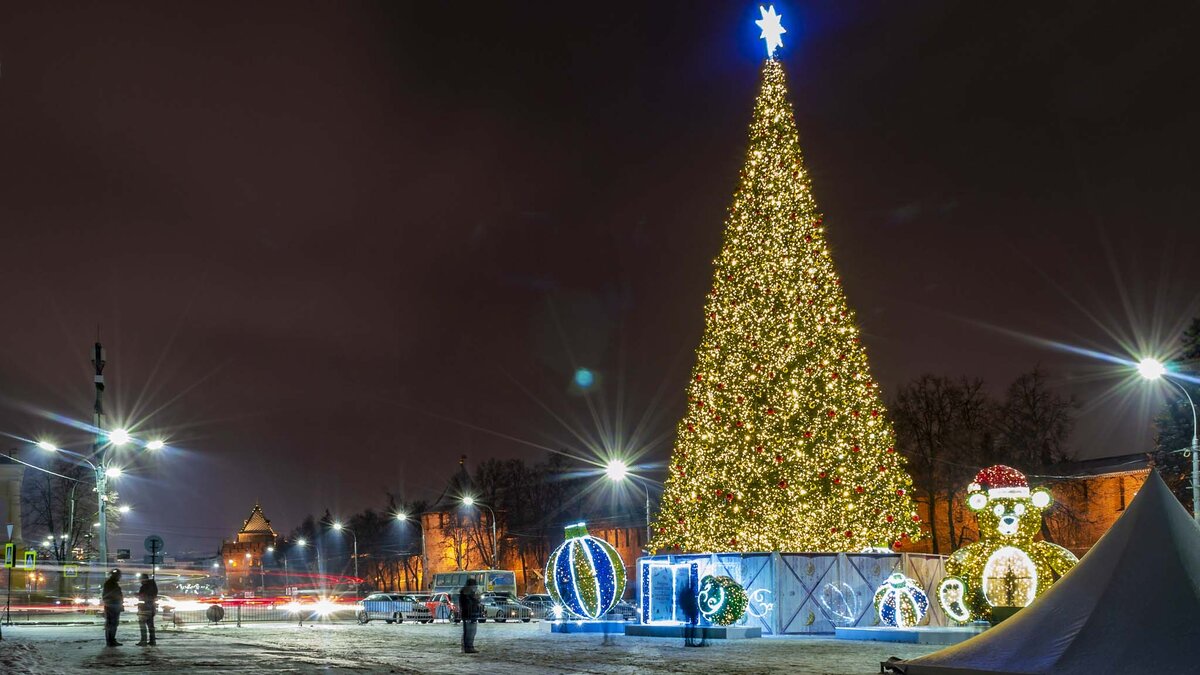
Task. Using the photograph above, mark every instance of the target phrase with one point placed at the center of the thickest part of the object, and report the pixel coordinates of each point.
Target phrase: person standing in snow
(468, 607)
(113, 599)
(689, 606)
(147, 608)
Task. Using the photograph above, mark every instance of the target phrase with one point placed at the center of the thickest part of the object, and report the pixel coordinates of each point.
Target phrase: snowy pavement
(382, 648)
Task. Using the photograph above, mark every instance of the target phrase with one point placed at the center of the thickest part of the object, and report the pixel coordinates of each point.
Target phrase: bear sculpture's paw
(952, 596)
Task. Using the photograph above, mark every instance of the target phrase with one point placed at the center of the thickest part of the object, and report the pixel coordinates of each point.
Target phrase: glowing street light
(618, 471)
(113, 472)
(124, 508)
(337, 525)
(469, 501)
(48, 447)
(156, 444)
(118, 437)
(402, 516)
(1153, 369)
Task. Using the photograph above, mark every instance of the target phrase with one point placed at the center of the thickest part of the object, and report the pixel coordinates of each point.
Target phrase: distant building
(11, 474)
(243, 557)
(1089, 502)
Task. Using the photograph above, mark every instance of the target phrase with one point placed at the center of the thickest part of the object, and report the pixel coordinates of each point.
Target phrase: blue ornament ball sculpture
(901, 602)
(585, 575)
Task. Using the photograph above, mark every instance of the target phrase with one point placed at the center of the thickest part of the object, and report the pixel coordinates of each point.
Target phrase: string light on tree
(785, 444)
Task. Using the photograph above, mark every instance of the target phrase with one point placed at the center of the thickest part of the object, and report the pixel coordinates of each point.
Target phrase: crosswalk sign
(70, 570)
(10, 555)
(30, 560)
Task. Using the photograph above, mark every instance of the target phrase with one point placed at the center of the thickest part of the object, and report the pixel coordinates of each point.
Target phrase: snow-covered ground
(380, 648)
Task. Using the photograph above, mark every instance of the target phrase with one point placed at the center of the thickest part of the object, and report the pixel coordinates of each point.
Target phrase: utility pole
(98, 444)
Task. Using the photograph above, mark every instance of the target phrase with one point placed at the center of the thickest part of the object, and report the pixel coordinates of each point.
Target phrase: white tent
(1132, 605)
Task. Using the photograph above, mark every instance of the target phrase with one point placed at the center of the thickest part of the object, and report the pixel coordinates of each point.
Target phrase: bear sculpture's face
(1012, 517)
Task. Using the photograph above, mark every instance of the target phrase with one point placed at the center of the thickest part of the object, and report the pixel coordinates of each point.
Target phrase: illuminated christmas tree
(785, 445)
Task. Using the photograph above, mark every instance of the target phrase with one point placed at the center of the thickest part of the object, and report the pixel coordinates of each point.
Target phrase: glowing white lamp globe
(616, 470)
(1151, 369)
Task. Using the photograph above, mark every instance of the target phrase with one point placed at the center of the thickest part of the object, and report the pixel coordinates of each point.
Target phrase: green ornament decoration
(722, 600)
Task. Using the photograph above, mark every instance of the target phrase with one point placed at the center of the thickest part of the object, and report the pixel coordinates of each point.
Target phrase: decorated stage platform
(704, 632)
(610, 627)
(787, 593)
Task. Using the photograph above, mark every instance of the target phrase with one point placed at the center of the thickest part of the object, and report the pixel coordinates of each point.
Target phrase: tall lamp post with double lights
(617, 471)
(339, 527)
(1153, 369)
(101, 472)
(469, 501)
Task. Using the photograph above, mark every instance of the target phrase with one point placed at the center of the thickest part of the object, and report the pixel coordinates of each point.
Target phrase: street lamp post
(100, 474)
(262, 570)
(618, 471)
(342, 528)
(470, 501)
(1152, 369)
(402, 516)
(316, 546)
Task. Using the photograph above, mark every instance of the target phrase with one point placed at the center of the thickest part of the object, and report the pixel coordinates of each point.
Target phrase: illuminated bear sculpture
(1006, 567)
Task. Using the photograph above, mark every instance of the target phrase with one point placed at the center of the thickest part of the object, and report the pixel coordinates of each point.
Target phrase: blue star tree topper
(772, 29)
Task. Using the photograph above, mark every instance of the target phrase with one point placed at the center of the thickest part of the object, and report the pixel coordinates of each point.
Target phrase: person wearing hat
(113, 599)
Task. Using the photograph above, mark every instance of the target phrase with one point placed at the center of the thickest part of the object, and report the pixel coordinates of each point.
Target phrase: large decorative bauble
(722, 600)
(585, 575)
(900, 602)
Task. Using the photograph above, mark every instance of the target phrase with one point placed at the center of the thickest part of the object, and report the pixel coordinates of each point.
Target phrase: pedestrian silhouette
(113, 599)
(689, 606)
(468, 606)
(147, 608)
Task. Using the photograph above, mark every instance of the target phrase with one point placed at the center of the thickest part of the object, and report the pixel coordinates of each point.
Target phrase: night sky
(332, 246)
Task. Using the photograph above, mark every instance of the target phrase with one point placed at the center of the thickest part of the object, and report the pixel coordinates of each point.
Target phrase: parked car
(393, 608)
(441, 606)
(541, 604)
(501, 607)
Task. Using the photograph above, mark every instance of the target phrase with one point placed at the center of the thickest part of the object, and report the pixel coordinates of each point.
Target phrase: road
(380, 648)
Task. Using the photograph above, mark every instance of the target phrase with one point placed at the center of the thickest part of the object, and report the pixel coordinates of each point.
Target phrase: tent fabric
(1132, 605)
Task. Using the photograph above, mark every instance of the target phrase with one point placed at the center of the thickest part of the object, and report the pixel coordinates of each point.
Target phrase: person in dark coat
(113, 599)
(689, 606)
(147, 608)
(468, 606)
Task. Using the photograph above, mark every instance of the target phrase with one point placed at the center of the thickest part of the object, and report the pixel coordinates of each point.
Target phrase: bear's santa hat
(1000, 481)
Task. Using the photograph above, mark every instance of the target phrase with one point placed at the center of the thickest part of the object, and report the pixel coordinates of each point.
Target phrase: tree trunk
(933, 517)
(950, 501)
